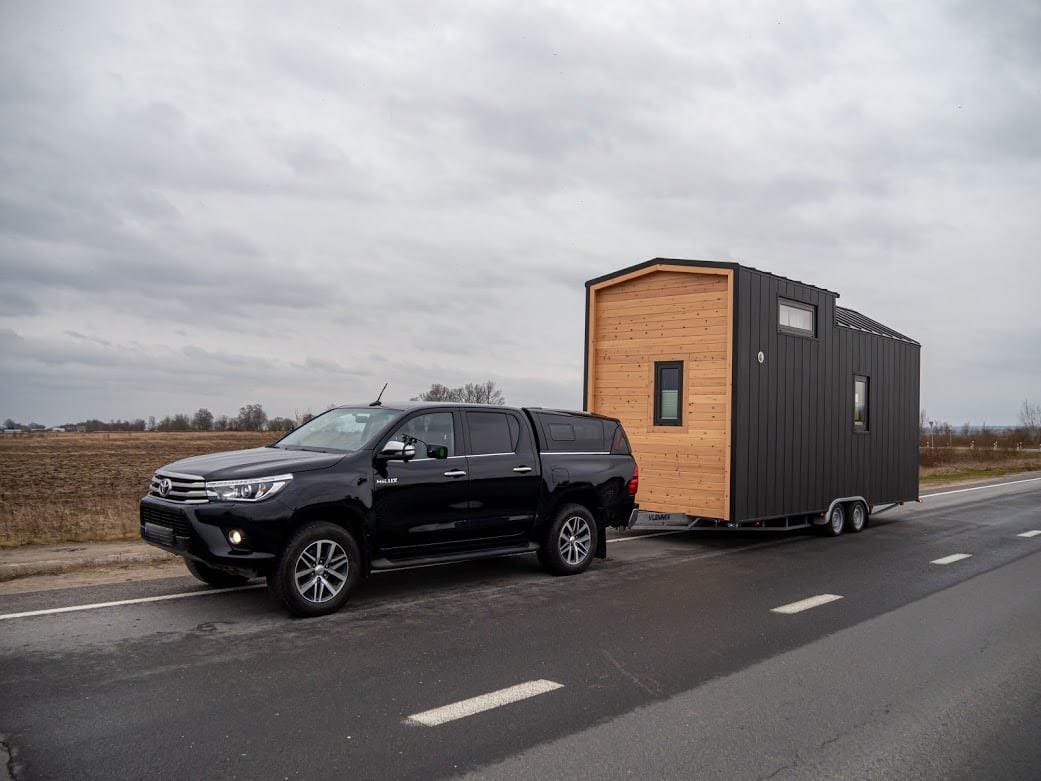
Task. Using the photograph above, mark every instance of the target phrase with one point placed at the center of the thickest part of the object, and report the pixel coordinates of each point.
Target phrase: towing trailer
(751, 401)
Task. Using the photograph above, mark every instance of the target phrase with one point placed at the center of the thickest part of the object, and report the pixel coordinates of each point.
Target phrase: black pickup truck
(360, 489)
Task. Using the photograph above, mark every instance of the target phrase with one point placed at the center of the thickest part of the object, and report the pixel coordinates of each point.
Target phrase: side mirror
(397, 451)
(439, 452)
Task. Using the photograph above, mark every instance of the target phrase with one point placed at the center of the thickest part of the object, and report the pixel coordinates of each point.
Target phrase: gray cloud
(202, 206)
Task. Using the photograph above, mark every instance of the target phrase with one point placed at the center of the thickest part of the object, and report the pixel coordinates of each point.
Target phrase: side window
(430, 428)
(491, 432)
(616, 435)
(794, 317)
(573, 433)
(668, 393)
(860, 403)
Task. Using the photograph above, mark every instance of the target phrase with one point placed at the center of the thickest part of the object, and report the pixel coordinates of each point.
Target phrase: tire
(858, 517)
(304, 582)
(570, 542)
(836, 521)
(215, 577)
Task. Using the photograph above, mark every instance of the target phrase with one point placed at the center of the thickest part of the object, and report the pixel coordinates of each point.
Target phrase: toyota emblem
(165, 484)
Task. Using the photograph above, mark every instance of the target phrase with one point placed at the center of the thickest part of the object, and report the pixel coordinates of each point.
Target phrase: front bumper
(199, 531)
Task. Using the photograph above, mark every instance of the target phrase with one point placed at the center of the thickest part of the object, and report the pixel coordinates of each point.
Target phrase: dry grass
(941, 465)
(82, 487)
(79, 487)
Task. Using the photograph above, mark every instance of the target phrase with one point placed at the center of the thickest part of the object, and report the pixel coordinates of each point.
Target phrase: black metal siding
(794, 449)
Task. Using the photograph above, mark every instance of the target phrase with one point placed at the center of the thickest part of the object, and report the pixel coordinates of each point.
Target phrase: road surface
(912, 649)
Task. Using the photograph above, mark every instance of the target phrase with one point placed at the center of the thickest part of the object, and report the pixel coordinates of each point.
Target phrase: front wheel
(215, 577)
(316, 571)
(570, 542)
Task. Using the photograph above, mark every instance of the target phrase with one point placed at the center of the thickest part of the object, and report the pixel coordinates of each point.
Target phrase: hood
(255, 462)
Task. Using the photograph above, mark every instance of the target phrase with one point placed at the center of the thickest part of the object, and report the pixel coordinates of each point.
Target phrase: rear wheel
(316, 571)
(215, 577)
(570, 543)
(836, 521)
(858, 517)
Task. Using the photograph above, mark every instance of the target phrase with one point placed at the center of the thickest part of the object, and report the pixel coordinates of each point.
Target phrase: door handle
(522, 469)
(455, 473)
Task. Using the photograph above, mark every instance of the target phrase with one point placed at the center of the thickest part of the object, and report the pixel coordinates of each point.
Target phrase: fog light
(236, 537)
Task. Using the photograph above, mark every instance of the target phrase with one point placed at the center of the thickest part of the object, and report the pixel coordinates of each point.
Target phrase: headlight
(252, 490)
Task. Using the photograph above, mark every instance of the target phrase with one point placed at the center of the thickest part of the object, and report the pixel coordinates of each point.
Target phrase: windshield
(341, 430)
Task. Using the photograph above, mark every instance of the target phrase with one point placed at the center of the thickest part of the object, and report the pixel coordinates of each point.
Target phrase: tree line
(940, 433)
(252, 417)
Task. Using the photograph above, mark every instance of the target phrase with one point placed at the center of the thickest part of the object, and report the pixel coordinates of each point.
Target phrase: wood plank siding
(668, 313)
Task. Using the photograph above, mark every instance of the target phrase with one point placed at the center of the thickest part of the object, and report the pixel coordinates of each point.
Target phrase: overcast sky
(293, 203)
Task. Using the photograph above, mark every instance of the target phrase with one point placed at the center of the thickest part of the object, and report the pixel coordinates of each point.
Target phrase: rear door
(504, 475)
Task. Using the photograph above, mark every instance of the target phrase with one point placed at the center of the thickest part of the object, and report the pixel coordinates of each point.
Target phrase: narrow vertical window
(668, 393)
(860, 403)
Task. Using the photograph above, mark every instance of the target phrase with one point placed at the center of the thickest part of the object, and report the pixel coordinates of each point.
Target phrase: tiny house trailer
(751, 400)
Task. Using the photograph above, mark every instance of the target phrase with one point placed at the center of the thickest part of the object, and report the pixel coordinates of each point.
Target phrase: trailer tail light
(634, 484)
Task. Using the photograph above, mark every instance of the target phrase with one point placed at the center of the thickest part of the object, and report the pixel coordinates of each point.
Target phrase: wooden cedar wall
(665, 313)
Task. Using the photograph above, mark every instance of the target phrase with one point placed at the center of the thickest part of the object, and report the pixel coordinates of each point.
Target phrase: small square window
(796, 318)
(860, 403)
(668, 393)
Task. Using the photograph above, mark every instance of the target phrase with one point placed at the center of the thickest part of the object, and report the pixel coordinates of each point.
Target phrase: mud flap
(601, 543)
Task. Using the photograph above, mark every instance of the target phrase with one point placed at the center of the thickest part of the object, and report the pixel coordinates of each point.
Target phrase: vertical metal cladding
(794, 448)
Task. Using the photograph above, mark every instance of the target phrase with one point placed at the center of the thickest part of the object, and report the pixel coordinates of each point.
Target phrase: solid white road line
(496, 699)
(952, 558)
(981, 487)
(1031, 533)
(805, 604)
(139, 601)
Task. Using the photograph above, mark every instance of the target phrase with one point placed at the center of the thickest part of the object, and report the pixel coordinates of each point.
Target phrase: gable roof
(698, 264)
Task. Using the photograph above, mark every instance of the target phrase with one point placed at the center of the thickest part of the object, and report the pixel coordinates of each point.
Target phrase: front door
(504, 476)
(421, 505)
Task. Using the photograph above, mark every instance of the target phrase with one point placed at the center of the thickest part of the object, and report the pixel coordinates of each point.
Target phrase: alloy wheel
(321, 571)
(575, 539)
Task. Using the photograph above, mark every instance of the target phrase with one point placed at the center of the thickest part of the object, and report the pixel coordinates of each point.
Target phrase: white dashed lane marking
(138, 601)
(952, 558)
(805, 604)
(1031, 533)
(484, 702)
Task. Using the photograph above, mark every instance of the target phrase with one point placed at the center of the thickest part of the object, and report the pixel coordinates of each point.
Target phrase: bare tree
(482, 393)
(281, 424)
(202, 420)
(252, 418)
(1030, 416)
(471, 393)
(439, 392)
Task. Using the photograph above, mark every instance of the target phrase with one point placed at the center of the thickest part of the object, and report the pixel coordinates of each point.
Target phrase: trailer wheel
(836, 521)
(858, 516)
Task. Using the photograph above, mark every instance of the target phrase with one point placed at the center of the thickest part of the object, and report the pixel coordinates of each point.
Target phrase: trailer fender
(821, 520)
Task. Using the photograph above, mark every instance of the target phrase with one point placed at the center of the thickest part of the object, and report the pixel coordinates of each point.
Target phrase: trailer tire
(571, 541)
(858, 517)
(836, 522)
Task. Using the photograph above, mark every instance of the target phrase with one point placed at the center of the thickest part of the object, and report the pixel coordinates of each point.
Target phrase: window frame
(658, 367)
(457, 433)
(862, 426)
(791, 330)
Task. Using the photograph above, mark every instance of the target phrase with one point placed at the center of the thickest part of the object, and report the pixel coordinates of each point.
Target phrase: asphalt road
(666, 660)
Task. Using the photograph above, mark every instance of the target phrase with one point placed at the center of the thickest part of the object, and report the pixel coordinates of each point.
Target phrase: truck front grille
(182, 488)
(173, 520)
